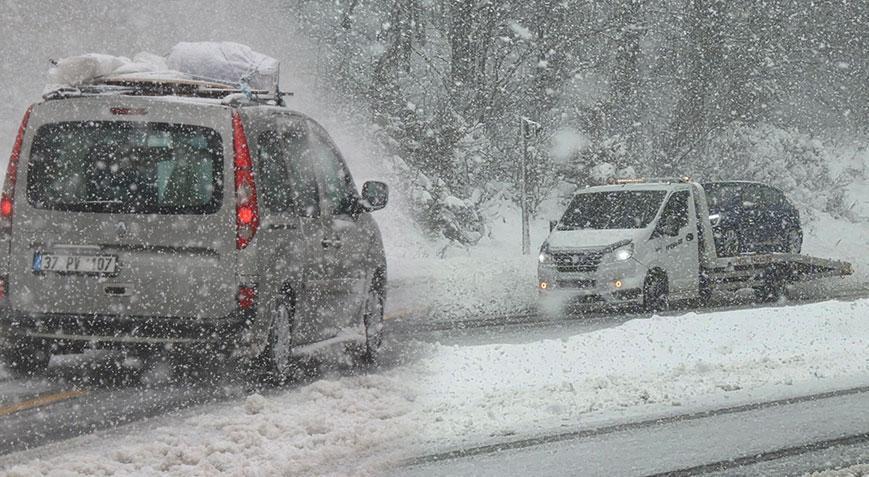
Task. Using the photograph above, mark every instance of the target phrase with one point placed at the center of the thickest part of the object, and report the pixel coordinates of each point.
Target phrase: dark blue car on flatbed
(750, 217)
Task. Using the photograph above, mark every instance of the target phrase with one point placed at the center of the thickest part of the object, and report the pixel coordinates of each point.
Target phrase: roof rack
(194, 88)
(645, 180)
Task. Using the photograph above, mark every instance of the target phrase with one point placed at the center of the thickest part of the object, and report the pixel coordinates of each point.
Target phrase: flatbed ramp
(771, 270)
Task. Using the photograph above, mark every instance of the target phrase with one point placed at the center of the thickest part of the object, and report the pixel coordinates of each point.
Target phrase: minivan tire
(372, 323)
(277, 358)
(27, 359)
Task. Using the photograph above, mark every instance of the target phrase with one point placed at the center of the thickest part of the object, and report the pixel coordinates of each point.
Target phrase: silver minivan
(136, 219)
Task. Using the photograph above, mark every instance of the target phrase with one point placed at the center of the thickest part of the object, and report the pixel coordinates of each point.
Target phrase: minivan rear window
(126, 167)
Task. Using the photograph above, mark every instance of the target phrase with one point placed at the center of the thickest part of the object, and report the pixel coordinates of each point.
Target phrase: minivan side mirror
(375, 195)
(552, 225)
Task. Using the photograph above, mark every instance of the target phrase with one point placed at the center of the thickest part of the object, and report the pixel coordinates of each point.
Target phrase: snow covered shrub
(434, 206)
(791, 160)
(596, 161)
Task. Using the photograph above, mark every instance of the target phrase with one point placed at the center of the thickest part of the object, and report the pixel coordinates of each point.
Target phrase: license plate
(50, 262)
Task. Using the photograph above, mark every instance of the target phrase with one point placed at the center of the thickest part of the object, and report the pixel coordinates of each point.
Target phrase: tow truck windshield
(612, 210)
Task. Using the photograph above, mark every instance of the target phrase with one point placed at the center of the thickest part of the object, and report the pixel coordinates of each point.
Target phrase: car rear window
(126, 167)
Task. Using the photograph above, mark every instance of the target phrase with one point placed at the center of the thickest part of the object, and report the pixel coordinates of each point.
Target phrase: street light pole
(523, 191)
(525, 126)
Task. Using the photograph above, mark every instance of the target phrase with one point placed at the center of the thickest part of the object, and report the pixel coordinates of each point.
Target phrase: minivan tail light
(246, 297)
(7, 200)
(246, 210)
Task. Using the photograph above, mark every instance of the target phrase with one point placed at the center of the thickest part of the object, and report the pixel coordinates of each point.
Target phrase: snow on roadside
(827, 237)
(451, 282)
(859, 470)
(341, 426)
(668, 364)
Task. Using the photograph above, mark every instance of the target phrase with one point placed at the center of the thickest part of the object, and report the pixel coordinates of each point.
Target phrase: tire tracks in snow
(546, 439)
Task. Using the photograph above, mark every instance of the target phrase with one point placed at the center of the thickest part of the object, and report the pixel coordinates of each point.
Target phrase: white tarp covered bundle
(224, 62)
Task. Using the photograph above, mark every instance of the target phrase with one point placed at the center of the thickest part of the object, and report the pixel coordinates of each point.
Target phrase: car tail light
(7, 200)
(246, 210)
(246, 297)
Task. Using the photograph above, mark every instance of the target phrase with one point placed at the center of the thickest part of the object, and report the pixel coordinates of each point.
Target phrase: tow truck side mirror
(715, 219)
(667, 227)
(552, 225)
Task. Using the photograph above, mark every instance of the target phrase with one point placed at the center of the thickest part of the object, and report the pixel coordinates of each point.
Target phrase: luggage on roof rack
(218, 70)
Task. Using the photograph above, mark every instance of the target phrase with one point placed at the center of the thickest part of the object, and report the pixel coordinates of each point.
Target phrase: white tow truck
(648, 242)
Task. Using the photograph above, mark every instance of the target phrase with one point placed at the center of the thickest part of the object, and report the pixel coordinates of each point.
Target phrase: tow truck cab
(630, 242)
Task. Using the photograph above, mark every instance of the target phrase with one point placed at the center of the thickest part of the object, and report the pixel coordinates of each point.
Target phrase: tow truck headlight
(624, 252)
(544, 256)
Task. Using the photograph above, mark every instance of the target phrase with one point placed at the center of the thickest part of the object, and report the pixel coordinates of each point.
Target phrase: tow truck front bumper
(611, 283)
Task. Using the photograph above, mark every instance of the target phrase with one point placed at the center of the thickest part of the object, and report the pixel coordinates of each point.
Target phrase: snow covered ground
(333, 426)
(858, 470)
(663, 364)
(453, 396)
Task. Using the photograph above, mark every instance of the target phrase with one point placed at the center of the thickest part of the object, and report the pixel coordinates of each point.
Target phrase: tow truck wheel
(768, 293)
(704, 293)
(656, 292)
(27, 359)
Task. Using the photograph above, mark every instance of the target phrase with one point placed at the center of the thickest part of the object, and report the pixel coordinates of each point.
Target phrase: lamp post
(528, 128)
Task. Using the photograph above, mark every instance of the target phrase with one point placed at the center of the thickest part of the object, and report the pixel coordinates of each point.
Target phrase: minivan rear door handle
(287, 226)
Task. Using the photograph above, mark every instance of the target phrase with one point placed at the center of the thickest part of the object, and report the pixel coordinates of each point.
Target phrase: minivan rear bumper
(125, 331)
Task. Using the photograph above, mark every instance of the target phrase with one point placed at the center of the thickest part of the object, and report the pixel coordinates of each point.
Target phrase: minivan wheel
(278, 355)
(656, 292)
(27, 359)
(372, 323)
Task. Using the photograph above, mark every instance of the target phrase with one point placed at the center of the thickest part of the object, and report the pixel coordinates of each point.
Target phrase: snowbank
(858, 470)
(647, 366)
(346, 426)
(442, 281)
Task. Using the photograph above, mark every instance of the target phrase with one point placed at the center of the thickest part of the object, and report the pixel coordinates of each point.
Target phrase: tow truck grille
(577, 261)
